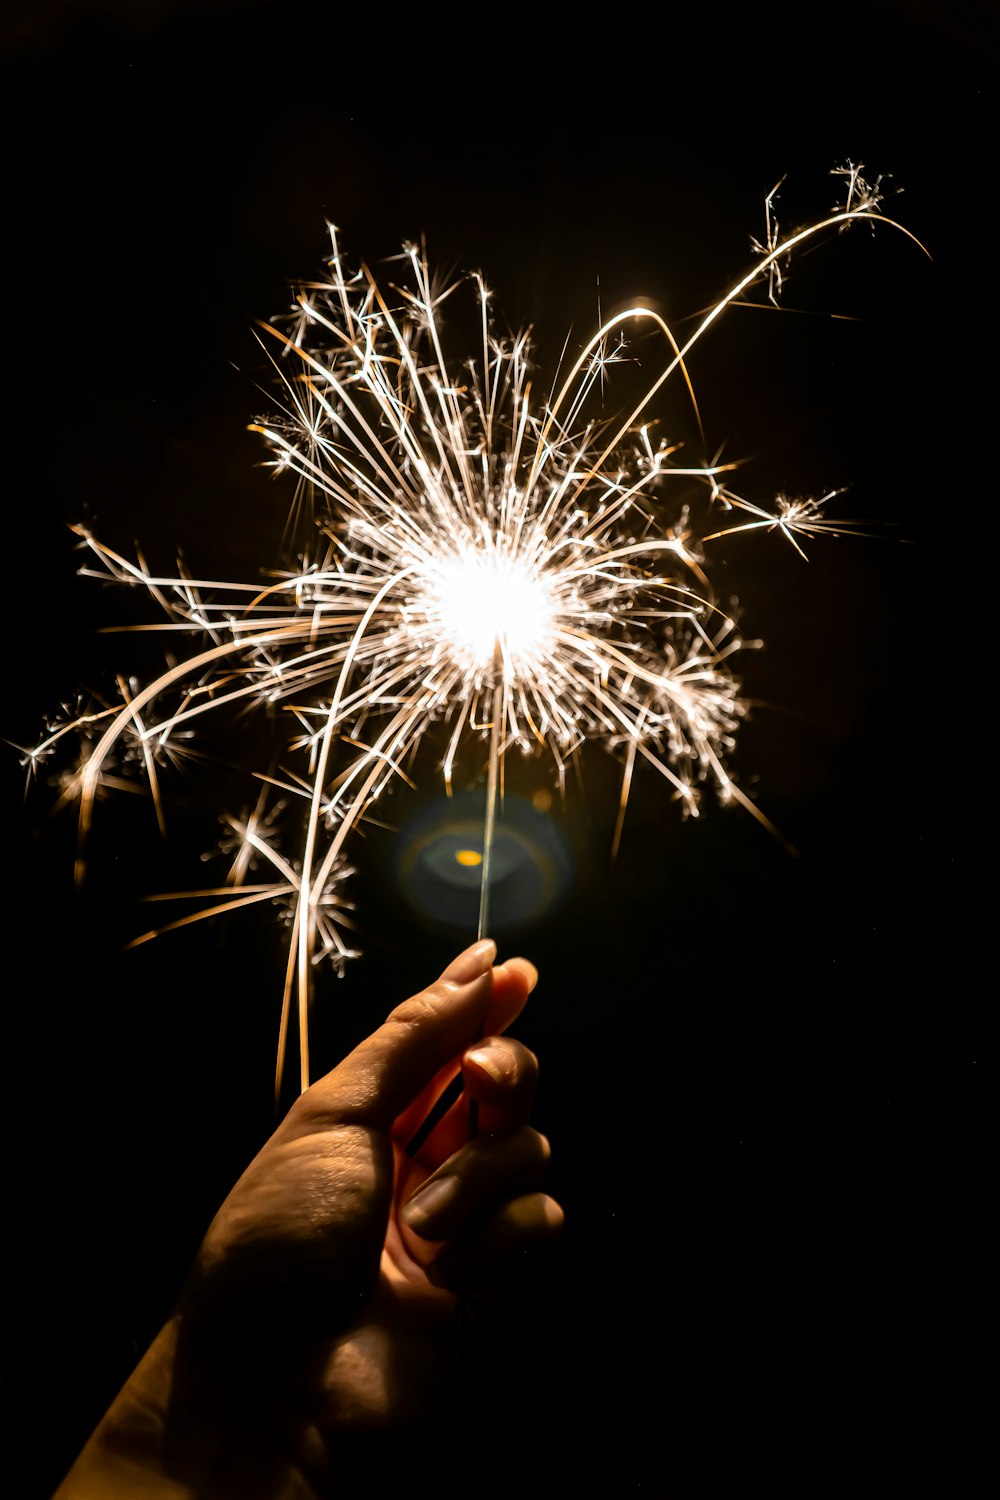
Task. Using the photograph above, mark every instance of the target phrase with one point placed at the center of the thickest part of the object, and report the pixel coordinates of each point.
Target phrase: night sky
(763, 1074)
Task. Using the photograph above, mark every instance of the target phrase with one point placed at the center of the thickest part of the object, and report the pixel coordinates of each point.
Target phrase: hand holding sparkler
(319, 1310)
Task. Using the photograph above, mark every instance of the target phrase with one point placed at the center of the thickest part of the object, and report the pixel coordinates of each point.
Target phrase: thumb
(376, 1081)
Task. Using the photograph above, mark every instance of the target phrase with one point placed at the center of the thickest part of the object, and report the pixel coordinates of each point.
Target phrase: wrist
(189, 1424)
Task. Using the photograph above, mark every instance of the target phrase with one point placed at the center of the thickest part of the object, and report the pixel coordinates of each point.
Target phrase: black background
(763, 1075)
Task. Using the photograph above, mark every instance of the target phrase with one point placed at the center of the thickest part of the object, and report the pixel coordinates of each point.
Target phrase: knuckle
(552, 1216)
(414, 1011)
(537, 1216)
(308, 1110)
(527, 1061)
(543, 1147)
(516, 1066)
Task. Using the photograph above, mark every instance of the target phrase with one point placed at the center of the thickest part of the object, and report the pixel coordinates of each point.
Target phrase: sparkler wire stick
(492, 791)
(489, 824)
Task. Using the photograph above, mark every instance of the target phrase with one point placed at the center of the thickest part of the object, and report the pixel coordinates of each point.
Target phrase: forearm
(182, 1428)
(125, 1454)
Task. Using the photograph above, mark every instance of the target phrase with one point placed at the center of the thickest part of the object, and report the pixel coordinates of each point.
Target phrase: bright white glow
(481, 600)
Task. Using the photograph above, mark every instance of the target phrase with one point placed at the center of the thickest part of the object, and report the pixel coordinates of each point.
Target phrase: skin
(317, 1327)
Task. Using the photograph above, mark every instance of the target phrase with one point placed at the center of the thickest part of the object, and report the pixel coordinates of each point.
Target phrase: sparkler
(508, 565)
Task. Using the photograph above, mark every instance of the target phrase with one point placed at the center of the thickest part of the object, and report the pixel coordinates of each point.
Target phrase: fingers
(501, 1074)
(389, 1069)
(470, 1184)
(513, 981)
(524, 1226)
(430, 1129)
(482, 1209)
(481, 1205)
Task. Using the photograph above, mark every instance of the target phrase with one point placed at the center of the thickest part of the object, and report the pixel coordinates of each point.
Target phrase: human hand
(321, 1304)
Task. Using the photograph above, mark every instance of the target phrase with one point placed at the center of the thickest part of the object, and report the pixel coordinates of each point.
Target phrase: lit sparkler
(505, 565)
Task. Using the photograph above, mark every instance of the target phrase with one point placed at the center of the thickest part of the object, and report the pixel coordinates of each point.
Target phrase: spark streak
(511, 567)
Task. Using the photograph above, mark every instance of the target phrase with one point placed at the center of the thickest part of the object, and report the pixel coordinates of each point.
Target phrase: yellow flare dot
(468, 857)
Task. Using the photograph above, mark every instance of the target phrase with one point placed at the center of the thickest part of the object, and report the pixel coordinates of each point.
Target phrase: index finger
(390, 1069)
(513, 982)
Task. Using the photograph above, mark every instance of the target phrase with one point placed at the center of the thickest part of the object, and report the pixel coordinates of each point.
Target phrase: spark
(512, 567)
(803, 516)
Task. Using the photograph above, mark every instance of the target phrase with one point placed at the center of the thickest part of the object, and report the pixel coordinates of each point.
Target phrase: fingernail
(473, 962)
(496, 1062)
(430, 1200)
